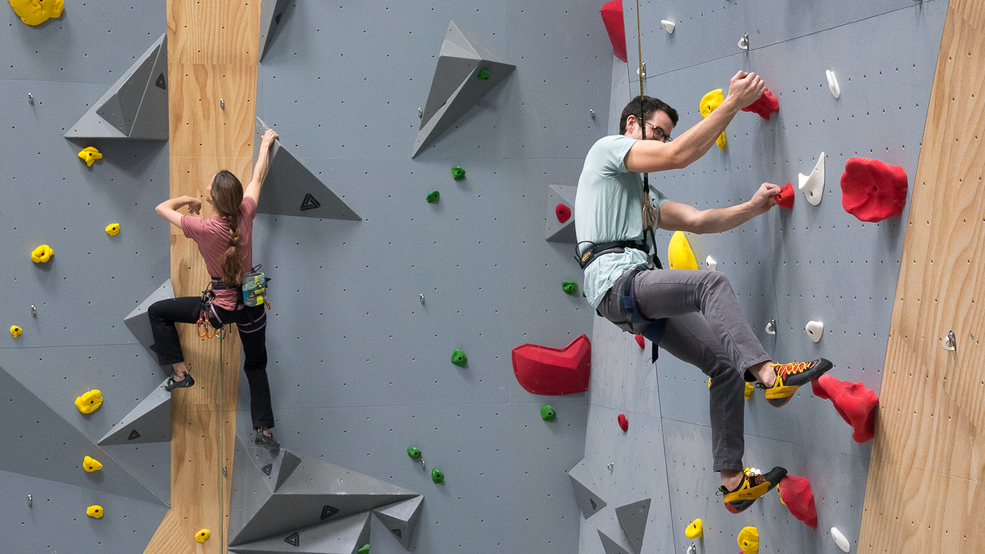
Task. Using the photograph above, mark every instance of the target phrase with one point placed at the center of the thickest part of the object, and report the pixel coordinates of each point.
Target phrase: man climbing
(694, 315)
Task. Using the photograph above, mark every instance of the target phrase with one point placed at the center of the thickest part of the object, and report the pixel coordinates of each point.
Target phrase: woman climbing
(225, 240)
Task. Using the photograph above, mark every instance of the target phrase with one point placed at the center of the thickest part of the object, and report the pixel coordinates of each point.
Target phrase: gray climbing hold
(136, 106)
(401, 519)
(582, 481)
(139, 324)
(632, 518)
(290, 188)
(270, 16)
(149, 421)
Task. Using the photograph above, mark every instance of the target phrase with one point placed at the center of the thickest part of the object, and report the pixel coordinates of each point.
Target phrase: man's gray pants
(705, 328)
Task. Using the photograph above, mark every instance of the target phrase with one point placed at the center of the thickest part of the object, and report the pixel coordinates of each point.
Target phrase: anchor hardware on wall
(30, 98)
(771, 327)
(949, 343)
(744, 41)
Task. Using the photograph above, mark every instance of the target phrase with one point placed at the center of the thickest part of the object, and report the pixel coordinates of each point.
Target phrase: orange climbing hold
(797, 496)
(855, 403)
(554, 371)
(612, 18)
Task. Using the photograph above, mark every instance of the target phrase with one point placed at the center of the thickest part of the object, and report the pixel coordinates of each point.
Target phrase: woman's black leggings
(252, 325)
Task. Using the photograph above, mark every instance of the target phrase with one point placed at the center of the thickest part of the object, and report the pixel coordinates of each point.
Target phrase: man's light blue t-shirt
(608, 207)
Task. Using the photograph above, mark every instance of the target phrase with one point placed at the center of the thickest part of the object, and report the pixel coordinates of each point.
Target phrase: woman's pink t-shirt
(212, 236)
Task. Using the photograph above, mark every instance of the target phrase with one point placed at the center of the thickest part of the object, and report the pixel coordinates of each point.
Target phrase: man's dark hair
(650, 105)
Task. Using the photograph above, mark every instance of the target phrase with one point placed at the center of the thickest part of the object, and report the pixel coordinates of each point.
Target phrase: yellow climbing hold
(113, 229)
(89, 155)
(95, 511)
(679, 253)
(36, 12)
(749, 540)
(694, 530)
(90, 401)
(708, 104)
(91, 464)
(16, 331)
(748, 392)
(203, 535)
(42, 254)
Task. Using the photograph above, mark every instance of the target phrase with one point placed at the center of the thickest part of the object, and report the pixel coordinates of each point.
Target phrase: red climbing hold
(623, 422)
(639, 341)
(612, 17)
(554, 371)
(872, 190)
(562, 212)
(796, 494)
(855, 403)
(785, 198)
(764, 106)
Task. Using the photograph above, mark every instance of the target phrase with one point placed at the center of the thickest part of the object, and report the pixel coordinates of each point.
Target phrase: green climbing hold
(569, 287)
(483, 74)
(437, 476)
(459, 358)
(457, 173)
(547, 412)
(414, 452)
(363, 550)
(433, 197)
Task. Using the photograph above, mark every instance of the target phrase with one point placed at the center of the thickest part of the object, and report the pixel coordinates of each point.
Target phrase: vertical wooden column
(925, 491)
(212, 55)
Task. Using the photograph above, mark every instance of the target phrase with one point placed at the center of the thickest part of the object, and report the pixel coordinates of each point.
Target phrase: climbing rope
(222, 445)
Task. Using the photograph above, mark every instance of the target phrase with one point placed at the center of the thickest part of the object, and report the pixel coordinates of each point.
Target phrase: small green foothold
(547, 412)
(483, 74)
(363, 550)
(569, 287)
(457, 173)
(433, 197)
(414, 452)
(459, 358)
(437, 476)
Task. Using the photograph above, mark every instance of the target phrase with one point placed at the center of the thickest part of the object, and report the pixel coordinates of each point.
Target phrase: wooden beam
(212, 55)
(925, 490)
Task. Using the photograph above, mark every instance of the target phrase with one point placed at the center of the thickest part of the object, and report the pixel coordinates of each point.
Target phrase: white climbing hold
(833, 83)
(814, 330)
(712, 264)
(813, 185)
(668, 25)
(840, 540)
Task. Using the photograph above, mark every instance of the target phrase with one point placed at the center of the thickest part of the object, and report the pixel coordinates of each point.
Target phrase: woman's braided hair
(227, 195)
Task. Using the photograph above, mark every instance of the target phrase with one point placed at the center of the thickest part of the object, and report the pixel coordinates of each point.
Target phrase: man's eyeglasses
(658, 133)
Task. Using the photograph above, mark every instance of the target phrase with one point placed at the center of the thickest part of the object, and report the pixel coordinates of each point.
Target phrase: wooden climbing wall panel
(925, 491)
(212, 56)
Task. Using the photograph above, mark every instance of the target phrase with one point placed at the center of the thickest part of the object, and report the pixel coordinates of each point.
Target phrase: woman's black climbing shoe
(171, 384)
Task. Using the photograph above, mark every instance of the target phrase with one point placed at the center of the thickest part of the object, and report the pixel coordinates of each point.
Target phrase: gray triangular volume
(149, 421)
(556, 230)
(250, 490)
(276, 465)
(345, 535)
(465, 73)
(582, 481)
(401, 519)
(136, 106)
(271, 13)
(614, 546)
(302, 498)
(632, 518)
(290, 188)
(139, 323)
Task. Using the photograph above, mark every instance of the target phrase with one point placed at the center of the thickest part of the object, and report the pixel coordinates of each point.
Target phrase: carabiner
(203, 322)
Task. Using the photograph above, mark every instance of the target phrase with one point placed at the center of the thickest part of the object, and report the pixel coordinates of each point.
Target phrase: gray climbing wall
(811, 263)
(77, 339)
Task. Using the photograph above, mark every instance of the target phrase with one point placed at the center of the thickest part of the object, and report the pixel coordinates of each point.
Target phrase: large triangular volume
(465, 73)
(136, 106)
(249, 490)
(632, 518)
(343, 536)
(271, 13)
(139, 323)
(582, 481)
(314, 492)
(617, 545)
(276, 465)
(557, 230)
(290, 188)
(401, 519)
(149, 421)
